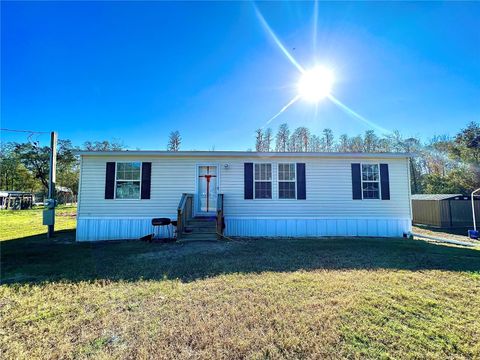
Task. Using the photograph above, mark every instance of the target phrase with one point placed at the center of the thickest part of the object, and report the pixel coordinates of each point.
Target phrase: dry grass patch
(315, 314)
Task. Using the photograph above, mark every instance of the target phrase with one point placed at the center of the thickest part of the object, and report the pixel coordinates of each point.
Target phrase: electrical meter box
(50, 203)
(48, 217)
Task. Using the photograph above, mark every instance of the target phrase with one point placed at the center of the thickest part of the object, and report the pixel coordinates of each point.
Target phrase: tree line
(25, 166)
(439, 165)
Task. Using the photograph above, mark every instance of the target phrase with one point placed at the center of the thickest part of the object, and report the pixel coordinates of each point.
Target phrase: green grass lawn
(19, 224)
(261, 298)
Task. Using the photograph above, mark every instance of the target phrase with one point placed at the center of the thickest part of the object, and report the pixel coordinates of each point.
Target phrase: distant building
(16, 200)
(64, 195)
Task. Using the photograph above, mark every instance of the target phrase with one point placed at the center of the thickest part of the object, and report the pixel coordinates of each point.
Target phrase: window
(127, 185)
(263, 181)
(287, 181)
(370, 181)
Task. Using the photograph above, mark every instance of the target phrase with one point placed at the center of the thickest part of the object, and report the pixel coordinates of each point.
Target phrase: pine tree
(174, 141)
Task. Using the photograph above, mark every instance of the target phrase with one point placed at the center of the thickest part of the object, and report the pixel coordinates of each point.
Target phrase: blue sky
(136, 71)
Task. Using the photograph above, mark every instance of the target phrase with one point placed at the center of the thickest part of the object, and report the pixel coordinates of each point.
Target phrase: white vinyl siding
(329, 188)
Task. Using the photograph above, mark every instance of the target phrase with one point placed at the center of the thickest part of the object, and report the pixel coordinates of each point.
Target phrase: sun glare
(315, 84)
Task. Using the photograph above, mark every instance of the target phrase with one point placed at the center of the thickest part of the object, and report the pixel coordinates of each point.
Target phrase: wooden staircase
(200, 229)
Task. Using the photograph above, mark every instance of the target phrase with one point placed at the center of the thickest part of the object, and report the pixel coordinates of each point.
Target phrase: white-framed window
(287, 181)
(262, 181)
(370, 181)
(127, 180)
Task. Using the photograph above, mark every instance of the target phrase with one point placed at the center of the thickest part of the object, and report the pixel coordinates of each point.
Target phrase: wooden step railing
(220, 219)
(184, 213)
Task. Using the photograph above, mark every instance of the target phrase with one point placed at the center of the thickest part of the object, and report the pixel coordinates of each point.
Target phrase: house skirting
(305, 227)
(119, 228)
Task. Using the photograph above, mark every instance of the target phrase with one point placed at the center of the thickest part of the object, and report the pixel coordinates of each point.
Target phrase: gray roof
(434, 196)
(5, 193)
(243, 154)
(62, 189)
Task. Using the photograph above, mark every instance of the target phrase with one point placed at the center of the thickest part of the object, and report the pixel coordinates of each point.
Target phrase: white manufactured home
(244, 193)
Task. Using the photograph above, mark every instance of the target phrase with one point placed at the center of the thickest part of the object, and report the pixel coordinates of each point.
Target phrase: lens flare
(315, 84)
(290, 103)
(277, 41)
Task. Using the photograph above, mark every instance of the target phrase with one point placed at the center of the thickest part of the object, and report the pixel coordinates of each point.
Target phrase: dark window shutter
(110, 180)
(248, 180)
(384, 182)
(356, 182)
(301, 182)
(146, 180)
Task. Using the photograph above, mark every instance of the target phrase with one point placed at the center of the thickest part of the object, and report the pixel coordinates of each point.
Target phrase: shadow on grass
(36, 259)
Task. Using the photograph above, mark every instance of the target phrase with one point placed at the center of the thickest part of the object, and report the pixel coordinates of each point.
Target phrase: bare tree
(258, 140)
(105, 145)
(282, 138)
(370, 141)
(267, 140)
(383, 145)
(304, 137)
(174, 141)
(343, 143)
(328, 140)
(314, 145)
(356, 144)
(295, 141)
(396, 141)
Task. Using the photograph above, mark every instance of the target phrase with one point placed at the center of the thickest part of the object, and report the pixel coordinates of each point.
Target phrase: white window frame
(255, 180)
(371, 181)
(279, 181)
(140, 180)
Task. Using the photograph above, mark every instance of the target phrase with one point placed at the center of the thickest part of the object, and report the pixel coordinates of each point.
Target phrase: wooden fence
(445, 213)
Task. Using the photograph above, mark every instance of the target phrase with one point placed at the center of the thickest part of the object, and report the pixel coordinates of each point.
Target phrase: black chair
(156, 222)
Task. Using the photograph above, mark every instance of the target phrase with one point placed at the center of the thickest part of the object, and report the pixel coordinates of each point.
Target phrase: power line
(26, 131)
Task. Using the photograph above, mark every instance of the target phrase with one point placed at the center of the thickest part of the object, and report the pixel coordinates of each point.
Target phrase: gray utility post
(52, 181)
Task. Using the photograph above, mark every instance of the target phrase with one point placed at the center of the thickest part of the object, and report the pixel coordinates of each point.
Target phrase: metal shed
(444, 210)
(16, 200)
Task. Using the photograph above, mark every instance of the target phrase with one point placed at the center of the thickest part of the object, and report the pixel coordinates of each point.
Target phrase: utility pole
(52, 182)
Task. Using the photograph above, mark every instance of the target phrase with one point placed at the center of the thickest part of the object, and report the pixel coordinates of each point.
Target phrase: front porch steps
(200, 229)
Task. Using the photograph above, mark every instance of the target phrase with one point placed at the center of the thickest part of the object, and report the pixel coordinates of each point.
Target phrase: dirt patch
(444, 233)
(176, 250)
(71, 215)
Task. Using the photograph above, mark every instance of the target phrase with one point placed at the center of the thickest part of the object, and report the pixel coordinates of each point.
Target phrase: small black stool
(156, 222)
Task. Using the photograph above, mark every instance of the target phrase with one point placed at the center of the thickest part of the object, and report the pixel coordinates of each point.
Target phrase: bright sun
(315, 84)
